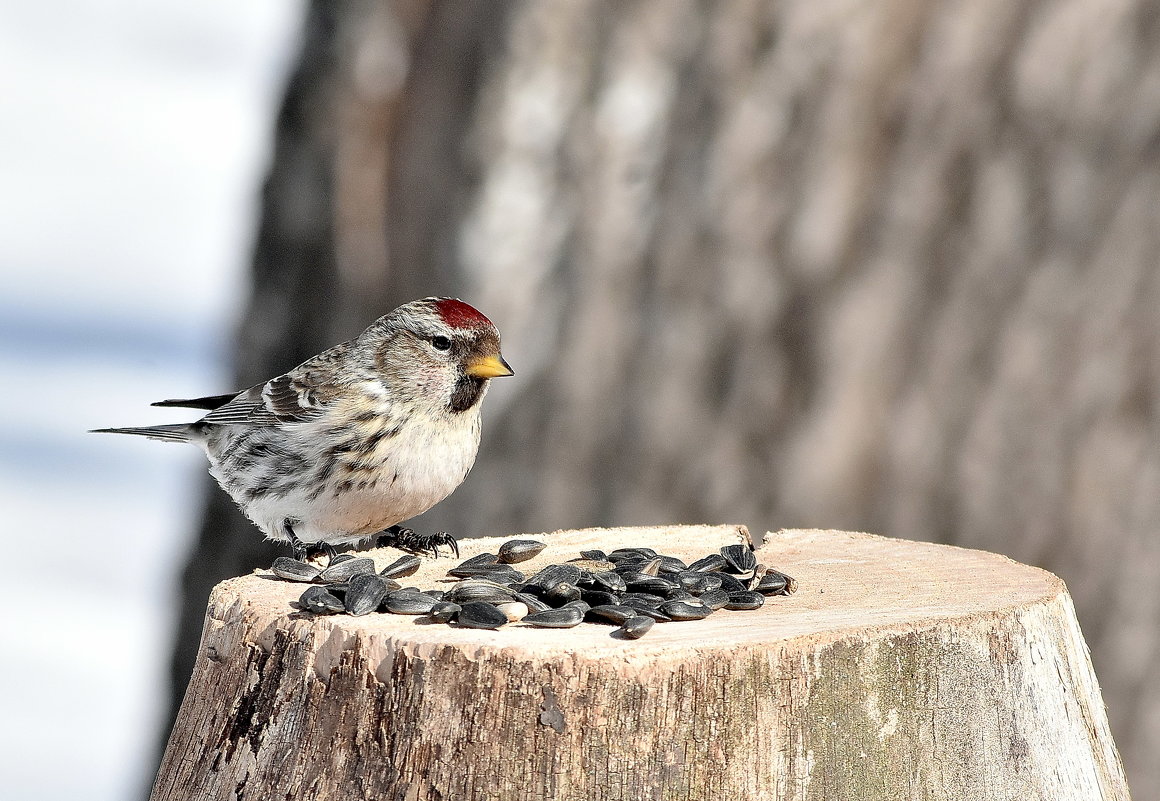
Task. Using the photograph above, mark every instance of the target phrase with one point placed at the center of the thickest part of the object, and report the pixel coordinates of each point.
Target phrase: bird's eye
(441, 343)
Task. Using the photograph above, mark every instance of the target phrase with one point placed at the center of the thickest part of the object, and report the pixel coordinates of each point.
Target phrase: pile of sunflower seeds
(631, 588)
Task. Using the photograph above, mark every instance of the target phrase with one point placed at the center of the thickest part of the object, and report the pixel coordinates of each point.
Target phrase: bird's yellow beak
(489, 367)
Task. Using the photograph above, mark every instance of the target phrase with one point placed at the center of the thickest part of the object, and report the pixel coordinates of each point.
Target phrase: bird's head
(439, 351)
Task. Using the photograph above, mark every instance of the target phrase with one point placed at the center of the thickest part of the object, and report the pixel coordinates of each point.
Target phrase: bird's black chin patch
(468, 391)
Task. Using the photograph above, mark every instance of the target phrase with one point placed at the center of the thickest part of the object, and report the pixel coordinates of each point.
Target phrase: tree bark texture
(887, 266)
(897, 670)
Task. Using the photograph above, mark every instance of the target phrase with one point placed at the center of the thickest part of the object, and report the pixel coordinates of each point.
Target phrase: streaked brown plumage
(358, 438)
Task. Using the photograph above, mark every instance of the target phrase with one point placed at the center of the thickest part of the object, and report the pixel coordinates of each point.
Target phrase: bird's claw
(406, 539)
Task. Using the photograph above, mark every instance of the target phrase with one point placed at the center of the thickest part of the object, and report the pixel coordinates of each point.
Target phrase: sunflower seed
(685, 610)
(631, 553)
(552, 575)
(444, 611)
(671, 565)
(479, 615)
(644, 609)
(321, 601)
(474, 566)
(639, 582)
(599, 597)
(647, 598)
(403, 602)
(745, 600)
(401, 568)
(731, 583)
(652, 567)
(479, 589)
(515, 551)
(775, 582)
(293, 570)
(709, 564)
(533, 603)
(563, 618)
(595, 555)
(364, 593)
(346, 570)
(635, 627)
(715, 599)
(610, 613)
(513, 610)
(561, 594)
(740, 558)
(613, 582)
(694, 581)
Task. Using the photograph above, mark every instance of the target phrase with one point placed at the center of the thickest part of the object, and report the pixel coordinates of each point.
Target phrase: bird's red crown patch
(458, 314)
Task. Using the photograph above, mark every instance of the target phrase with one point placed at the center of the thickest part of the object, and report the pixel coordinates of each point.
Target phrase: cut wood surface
(897, 670)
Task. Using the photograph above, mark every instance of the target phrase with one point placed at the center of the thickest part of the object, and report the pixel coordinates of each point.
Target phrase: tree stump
(897, 670)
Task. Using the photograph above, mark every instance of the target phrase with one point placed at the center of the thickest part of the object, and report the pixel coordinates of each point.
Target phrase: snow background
(133, 141)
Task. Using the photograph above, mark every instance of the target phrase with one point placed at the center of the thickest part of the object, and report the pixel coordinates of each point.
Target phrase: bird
(354, 441)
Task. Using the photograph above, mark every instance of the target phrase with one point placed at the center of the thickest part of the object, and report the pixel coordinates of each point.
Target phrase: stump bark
(897, 670)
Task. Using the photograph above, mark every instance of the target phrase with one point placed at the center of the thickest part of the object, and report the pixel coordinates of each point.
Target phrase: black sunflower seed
(533, 603)
(479, 589)
(643, 597)
(775, 582)
(444, 611)
(639, 582)
(696, 582)
(552, 575)
(364, 593)
(715, 599)
(613, 582)
(404, 602)
(731, 583)
(321, 601)
(599, 597)
(685, 610)
(401, 568)
(346, 570)
(563, 618)
(740, 558)
(635, 627)
(479, 615)
(645, 609)
(595, 555)
(632, 553)
(709, 564)
(480, 563)
(293, 570)
(745, 600)
(515, 551)
(610, 613)
(561, 594)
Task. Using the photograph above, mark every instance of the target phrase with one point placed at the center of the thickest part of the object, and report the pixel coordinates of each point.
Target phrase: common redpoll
(359, 438)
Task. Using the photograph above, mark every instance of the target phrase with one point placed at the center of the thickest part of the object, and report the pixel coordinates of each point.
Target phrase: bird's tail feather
(177, 432)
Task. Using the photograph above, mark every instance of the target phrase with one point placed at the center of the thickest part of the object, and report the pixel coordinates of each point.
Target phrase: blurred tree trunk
(883, 266)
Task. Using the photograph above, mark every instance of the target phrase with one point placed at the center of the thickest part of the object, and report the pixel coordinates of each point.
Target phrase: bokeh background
(887, 266)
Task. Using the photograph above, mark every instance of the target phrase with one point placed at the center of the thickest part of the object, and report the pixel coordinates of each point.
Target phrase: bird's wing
(285, 399)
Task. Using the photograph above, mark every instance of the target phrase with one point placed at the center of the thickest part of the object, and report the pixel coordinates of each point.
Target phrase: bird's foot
(406, 539)
(302, 551)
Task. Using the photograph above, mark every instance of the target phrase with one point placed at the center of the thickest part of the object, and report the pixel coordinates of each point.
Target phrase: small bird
(359, 438)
